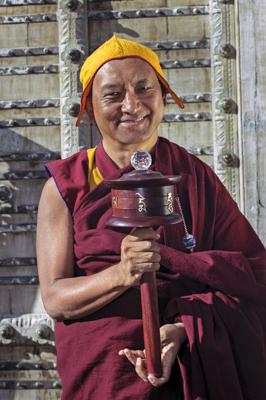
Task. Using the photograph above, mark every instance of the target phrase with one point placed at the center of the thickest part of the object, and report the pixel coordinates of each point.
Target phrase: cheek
(158, 108)
(105, 114)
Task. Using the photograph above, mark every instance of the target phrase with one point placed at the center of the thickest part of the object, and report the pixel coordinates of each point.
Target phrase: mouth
(129, 121)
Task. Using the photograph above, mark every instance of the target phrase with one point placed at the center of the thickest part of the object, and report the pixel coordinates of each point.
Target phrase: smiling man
(212, 300)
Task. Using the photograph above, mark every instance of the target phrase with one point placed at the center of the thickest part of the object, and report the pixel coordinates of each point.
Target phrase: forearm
(76, 297)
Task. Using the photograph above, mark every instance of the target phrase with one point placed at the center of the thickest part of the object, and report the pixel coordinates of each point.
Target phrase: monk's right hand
(139, 253)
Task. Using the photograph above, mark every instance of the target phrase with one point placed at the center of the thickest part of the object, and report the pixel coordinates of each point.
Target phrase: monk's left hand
(172, 338)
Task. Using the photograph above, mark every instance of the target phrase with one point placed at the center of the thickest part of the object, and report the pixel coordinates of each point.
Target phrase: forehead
(125, 70)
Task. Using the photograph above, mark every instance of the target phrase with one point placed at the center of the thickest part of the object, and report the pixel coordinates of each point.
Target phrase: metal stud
(6, 193)
(228, 106)
(74, 55)
(73, 110)
(179, 117)
(38, 384)
(228, 51)
(229, 160)
(72, 5)
(199, 97)
(198, 116)
(198, 151)
(43, 331)
(6, 331)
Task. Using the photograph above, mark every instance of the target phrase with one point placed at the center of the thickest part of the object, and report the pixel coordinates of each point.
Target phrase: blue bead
(189, 241)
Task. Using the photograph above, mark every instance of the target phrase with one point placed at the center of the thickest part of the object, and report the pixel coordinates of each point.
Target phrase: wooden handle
(151, 325)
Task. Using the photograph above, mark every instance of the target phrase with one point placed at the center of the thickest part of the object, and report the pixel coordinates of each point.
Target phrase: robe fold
(219, 291)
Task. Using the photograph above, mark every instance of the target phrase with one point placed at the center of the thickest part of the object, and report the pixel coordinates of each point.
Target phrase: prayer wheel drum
(145, 198)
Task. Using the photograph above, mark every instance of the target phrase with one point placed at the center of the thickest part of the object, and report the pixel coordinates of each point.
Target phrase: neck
(121, 153)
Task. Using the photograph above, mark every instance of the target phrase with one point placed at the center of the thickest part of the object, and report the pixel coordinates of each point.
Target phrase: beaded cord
(188, 240)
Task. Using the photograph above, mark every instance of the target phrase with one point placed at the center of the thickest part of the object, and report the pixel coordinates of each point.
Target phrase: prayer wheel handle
(151, 323)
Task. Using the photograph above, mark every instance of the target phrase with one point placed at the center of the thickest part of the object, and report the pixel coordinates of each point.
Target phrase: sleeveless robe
(219, 291)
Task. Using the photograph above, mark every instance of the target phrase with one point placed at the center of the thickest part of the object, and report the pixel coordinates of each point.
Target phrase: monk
(212, 300)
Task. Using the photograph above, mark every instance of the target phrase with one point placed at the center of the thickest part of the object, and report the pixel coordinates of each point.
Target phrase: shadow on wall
(22, 177)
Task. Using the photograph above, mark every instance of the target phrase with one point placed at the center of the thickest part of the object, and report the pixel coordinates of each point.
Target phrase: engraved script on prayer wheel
(145, 198)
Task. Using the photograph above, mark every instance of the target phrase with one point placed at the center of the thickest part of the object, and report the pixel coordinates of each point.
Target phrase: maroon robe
(219, 291)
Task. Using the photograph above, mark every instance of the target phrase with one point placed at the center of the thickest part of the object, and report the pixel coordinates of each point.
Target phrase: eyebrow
(145, 80)
(110, 86)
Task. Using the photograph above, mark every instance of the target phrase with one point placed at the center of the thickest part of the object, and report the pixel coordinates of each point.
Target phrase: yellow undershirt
(94, 175)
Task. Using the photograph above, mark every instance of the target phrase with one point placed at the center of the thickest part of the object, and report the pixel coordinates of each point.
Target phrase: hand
(139, 253)
(172, 338)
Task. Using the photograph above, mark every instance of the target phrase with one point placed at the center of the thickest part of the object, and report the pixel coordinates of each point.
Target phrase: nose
(131, 103)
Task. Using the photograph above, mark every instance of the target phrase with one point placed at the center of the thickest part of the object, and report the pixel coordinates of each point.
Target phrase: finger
(140, 369)
(131, 355)
(145, 246)
(145, 233)
(146, 267)
(146, 257)
(157, 381)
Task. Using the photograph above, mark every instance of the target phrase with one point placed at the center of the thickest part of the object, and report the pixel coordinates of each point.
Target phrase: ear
(89, 109)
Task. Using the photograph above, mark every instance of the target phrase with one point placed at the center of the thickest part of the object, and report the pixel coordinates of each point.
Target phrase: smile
(132, 121)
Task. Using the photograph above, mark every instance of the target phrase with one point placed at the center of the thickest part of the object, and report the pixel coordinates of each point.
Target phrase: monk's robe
(219, 291)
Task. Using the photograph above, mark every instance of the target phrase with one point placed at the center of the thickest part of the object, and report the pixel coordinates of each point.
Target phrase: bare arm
(69, 297)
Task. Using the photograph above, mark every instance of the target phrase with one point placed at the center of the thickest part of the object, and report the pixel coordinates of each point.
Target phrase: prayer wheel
(145, 198)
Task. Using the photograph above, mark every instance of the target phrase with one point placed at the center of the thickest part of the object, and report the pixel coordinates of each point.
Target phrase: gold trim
(142, 204)
(114, 201)
(170, 202)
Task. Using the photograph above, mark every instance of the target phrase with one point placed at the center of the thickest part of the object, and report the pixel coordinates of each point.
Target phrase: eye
(113, 94)
(144, 88)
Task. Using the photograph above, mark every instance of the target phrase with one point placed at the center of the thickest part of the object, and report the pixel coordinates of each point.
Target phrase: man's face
(127, 102)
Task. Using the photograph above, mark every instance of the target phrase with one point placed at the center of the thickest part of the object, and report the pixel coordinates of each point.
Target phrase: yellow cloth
(118, 48)
(94, 175)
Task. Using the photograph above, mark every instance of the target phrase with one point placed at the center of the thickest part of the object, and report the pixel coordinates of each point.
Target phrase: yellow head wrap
(113, 49)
